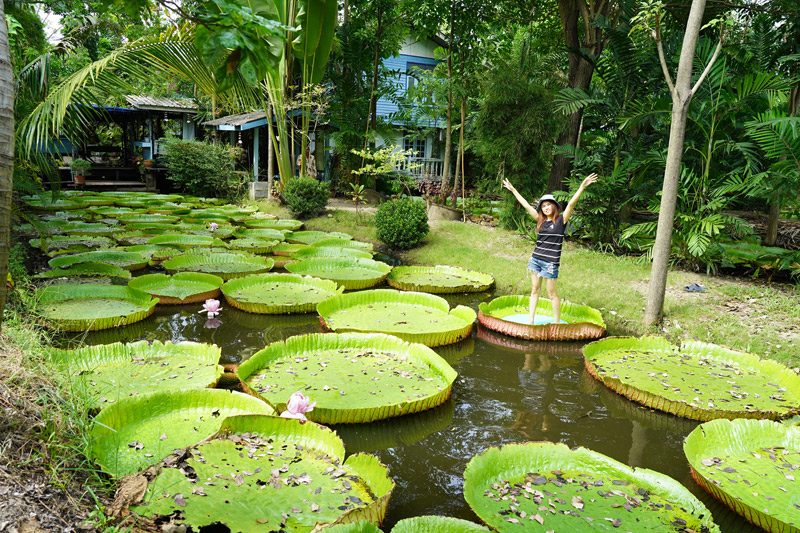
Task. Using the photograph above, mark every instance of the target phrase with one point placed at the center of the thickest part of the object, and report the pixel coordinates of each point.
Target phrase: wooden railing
(421, 168)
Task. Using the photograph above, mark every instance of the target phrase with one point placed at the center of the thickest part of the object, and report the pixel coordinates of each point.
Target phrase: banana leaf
(180, 288)
(696, 380)
(293, 478)
(89, 307)
(545, 486)
(394, 377)
(278, 293)
(350, 272)
(751, 466)
(582, 322)
(134, 433)
(412, 316)
(224, 265)
(440, 279)
(106, 373)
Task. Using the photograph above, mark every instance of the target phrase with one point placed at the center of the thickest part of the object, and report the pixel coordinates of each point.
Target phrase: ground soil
(29, 501)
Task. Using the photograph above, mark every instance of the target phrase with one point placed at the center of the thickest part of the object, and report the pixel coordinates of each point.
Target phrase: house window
(413, 73)
(417, 146)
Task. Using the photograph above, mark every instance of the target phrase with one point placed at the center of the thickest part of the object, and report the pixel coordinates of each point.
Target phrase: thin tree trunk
(456, 176)
(6, 154)
(775, 205)
(376, 64)
(270, 153)
(682, 92)
(448, 133)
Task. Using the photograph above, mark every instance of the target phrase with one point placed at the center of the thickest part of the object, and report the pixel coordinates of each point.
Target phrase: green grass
(758, 317)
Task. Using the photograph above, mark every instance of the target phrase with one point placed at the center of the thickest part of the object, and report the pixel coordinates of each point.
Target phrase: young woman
(550, 227)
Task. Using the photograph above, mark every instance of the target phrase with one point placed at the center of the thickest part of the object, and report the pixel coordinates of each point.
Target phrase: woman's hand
(591, 178)
(507, 185)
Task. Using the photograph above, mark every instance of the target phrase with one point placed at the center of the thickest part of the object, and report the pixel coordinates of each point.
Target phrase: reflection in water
(508, 390)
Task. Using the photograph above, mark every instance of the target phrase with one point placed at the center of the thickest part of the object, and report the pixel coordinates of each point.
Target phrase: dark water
(507, 391)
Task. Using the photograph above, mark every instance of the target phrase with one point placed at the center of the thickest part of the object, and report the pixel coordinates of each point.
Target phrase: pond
(507, 391)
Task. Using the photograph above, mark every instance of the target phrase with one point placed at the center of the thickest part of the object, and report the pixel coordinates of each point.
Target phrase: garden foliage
(402, 223)
(306, 197)
(204, 169)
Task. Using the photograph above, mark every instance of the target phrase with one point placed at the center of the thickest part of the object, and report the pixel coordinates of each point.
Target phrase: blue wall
(399, 65)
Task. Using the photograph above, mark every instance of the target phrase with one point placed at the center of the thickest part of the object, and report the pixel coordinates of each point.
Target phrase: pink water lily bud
(211, 307)
(213, 226)
(297, 406)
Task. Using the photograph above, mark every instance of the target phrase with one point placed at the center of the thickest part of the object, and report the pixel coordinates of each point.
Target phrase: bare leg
(536, 286)
(555, 300)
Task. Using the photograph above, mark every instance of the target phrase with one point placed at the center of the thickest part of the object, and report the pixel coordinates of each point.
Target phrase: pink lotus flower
(297, 406)
(213, 226)
(211, 307)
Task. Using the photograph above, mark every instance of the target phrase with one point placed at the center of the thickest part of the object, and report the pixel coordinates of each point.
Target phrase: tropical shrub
(402, 223)
(204, 169)
(306, 197)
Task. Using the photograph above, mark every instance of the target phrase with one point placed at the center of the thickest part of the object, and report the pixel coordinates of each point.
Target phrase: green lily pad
(255, 246)
(292, 478)
(131, 238)
(357, 527)
(437, 524)
(392, 377)
(88, 228)
(287, 224)
(86, 270)
(265, 234)
(186, 241)
(156, 252)
(508, 315)
(59, 242)
(412, 316)
(278, 293)
(330, 251)
(752, 466)
(310, 237)
(697, 380)
(48, 203)
(107, 373)
(224, 265)
(546, 486)
(89, 307)
(136, 218)
(180, 288)
(287, 250)
(134, 433)
(342, 243)
(440, 279)
(351, 272)
(127, 260)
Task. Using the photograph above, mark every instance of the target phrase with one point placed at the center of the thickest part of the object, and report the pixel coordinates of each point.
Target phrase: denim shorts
(543, 268)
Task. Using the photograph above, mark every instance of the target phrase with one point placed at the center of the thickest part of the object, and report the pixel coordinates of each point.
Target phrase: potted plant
(80, 168)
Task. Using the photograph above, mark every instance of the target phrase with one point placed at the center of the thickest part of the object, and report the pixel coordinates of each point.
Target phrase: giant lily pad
(286, 249)
(344, 243)
(287, 224)
(88, 228)
(138, 218)
(156, 252)
(751, 466)
(546, 486)
(107, 373)
(127, 260)
(186, 241)
(307, 252)
(436, 524)
(265, 234)
(508, 315)
(224, 265)
(180, 288)
(59, 242)
(86, 270)
(697, 380)
(92, 306)
(412, 316)
(310, 237)
(278, 293)
(292, 478)
(391, 377)
(131, 434)
(351, 272)
(440, 279)
(255, 246)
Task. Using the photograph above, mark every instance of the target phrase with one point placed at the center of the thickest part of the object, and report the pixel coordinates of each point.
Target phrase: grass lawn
(754, 316)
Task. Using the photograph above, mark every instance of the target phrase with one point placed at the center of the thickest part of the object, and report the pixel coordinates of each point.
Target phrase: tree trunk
(270, 153)
(682, 93)
(376, 63)
(775, 206)
(448, 133)
(6, 154)
(573, 13)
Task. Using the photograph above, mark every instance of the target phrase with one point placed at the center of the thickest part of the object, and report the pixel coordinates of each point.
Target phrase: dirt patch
(29, 502)
(341, 204)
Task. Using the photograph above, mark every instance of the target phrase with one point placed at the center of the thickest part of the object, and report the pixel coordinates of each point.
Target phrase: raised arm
(523, 202)
(591, 178)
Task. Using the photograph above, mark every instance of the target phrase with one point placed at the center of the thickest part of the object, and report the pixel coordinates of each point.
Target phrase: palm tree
(6, 153)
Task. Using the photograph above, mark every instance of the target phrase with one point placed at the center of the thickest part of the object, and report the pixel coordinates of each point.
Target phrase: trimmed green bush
(204, 169)
(305, 197)
(402, 224)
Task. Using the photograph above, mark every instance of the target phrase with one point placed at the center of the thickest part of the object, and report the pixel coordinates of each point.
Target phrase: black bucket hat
(547, 198)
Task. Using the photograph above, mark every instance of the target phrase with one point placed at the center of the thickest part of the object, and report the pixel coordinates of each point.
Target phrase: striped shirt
(549, 241)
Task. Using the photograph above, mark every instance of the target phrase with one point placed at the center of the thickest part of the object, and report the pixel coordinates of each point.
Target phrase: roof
(157, 103)
(240, 122)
